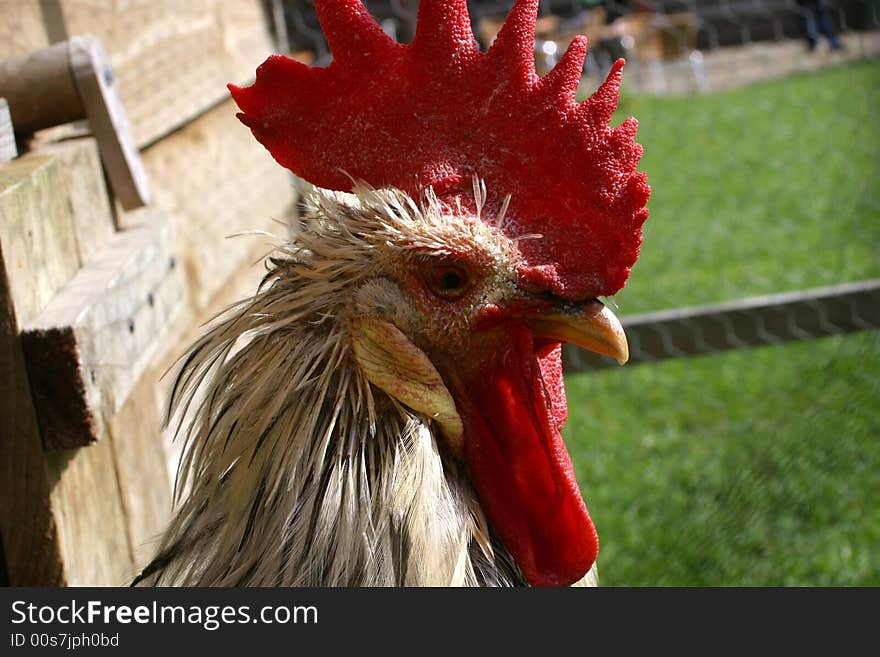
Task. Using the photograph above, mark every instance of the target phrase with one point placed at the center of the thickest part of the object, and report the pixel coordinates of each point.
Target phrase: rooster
(386, 409)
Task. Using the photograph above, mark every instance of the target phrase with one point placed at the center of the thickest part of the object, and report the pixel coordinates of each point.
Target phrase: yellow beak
(591, 326)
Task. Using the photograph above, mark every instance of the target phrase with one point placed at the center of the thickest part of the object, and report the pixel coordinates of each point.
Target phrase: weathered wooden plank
(87, 349)
(757, 321)
(172, 60)
(141, 466)
(87, 192)
(61, 518)
(92, 535)
(108, 121)
(8, 149)
(27, 524)
(214, 181)
(36, 231)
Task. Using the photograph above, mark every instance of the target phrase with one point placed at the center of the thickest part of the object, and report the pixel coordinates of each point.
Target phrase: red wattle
(521, 468)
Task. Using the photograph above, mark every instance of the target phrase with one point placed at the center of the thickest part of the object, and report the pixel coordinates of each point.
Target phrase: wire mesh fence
(755, 459)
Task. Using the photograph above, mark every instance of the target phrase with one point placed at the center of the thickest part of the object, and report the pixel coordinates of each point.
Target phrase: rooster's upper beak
(590, 325)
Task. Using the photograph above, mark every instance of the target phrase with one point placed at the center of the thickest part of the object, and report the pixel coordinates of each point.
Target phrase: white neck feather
(296, 471)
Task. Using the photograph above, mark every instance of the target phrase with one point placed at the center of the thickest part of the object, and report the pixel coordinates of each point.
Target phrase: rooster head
(499, 209)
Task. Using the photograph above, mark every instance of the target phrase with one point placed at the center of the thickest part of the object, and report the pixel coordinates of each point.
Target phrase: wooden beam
(61, 517)
(28, 526)
(144, 484)
(86, 191)
(87, 349)
(36, 231)
(753, 322)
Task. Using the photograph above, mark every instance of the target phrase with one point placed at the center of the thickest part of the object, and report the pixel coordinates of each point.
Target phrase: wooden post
(30, 533)
(40, 89)
(61, 514)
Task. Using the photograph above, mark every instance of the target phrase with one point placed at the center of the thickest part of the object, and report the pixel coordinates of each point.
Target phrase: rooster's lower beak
(591, 326)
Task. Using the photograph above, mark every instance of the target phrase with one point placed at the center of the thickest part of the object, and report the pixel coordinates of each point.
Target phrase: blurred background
(741, 446)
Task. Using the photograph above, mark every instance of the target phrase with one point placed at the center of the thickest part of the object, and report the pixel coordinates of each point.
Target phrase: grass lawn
(762, 466)
(768, 188)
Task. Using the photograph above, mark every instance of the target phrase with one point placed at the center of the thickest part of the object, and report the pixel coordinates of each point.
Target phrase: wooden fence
(97, 301)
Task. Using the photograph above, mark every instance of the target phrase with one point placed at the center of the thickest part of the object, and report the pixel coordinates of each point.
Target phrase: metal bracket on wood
(743, 323)
(70, 81)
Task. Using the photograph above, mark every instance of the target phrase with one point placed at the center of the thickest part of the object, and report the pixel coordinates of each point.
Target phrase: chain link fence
(740, 446)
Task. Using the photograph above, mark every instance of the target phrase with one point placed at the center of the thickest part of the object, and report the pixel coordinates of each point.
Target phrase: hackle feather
(296, 470)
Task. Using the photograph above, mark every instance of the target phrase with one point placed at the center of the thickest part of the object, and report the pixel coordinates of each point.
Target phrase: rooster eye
(448, 281)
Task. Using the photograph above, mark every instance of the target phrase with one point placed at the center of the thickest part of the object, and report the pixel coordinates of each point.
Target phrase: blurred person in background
(817, 22)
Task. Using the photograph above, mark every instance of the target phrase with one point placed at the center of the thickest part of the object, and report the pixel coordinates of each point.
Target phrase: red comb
(438, 111)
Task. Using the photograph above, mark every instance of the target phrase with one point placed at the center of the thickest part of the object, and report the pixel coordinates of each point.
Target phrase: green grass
(760, 466)
(762, 189)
